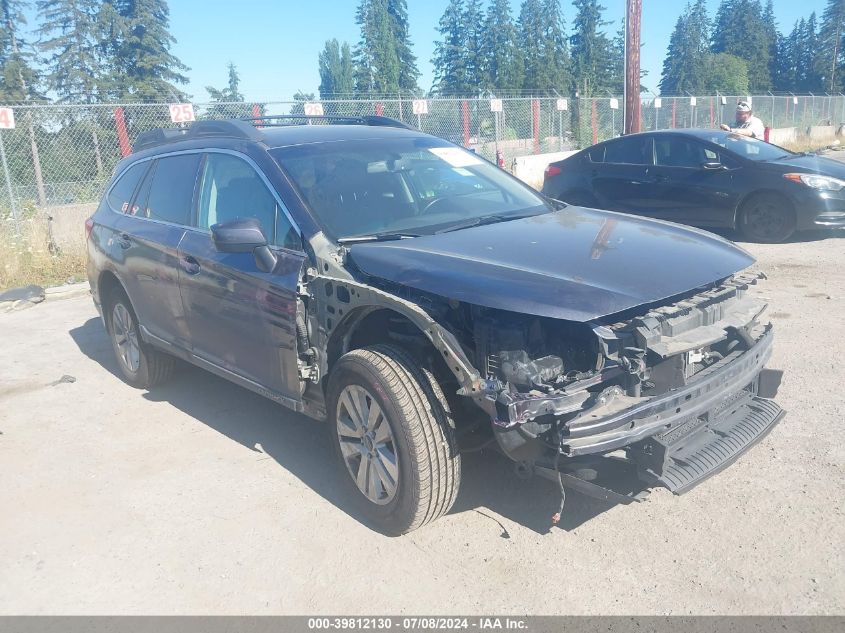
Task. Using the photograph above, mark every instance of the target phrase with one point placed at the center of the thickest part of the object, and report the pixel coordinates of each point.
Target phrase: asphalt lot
(201, 497)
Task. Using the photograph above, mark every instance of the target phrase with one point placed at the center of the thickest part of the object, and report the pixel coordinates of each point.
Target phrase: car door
(148, 232)
(242, 320)
(620, 180)
(693, 184)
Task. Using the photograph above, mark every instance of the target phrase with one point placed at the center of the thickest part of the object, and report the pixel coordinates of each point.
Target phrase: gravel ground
(201, 497)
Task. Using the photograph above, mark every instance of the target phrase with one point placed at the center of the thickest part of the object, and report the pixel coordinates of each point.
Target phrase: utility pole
(633, 18)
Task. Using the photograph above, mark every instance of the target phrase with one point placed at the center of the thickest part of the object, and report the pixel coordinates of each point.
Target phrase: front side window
(171, 190)
(409, 185)
(120, 194)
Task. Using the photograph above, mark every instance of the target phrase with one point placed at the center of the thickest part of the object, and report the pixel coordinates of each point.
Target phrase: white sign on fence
(614, 104)
(794, 100)
(749, 99)
(7, 119)
(562, 104)
(658, 103)
(495, 105)
(692, 101)
(182, 112)
(420, 106)
(724, 100)
(313, 108)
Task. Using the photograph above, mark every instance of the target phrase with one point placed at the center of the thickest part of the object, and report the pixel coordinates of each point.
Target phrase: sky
(275, 44)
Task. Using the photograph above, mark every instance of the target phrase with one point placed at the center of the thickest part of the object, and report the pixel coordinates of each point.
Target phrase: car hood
(809, 163)
(576, 264)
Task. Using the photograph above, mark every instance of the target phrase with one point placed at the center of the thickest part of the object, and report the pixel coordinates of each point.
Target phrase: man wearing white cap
(746, 123)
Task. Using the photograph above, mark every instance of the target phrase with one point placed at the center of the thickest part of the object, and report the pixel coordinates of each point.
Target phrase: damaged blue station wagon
(424, 303)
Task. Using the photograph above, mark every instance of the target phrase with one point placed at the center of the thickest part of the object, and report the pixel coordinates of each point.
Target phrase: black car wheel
(767, 218)
(140, 365)
(394, 435)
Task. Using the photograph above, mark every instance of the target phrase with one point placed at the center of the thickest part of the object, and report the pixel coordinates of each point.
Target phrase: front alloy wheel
(367, 445)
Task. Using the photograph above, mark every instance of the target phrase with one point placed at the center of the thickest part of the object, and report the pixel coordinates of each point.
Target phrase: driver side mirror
(713, 165)
(244, 236)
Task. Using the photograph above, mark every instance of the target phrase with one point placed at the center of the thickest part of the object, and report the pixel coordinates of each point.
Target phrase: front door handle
(190, 265)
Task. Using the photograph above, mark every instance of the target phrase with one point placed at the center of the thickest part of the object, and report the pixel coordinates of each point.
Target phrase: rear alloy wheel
(140, 365)
(394, 434)
(767, 218)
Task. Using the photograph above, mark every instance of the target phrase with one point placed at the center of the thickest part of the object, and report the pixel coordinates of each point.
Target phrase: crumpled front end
(678, 391)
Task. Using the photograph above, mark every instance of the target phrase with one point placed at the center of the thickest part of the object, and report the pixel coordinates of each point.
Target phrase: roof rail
(382, 121)
(231, 128)
(247, 129)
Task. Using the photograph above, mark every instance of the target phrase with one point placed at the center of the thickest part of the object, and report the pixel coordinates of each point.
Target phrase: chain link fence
(64, 154)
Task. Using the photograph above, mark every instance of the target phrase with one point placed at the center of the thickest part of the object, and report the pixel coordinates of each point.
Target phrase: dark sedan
(706, 178)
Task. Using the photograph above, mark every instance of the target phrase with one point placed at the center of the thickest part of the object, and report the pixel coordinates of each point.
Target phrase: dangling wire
(559, 513)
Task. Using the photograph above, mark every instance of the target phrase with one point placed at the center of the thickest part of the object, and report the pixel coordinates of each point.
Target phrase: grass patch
(805, 144)
(32, 257)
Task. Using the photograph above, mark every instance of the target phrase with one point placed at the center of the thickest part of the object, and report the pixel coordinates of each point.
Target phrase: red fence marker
(256, 113)
(535, 110)
(122, 134)
(674, 107)
(379, 109)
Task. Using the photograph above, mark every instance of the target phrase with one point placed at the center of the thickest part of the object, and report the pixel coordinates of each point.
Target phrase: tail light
(89, 226)
(551, 170)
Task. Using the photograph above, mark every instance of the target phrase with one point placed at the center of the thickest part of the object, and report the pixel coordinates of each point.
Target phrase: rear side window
(121, 193)
(172, 189)
(597, 154)
(634, 150)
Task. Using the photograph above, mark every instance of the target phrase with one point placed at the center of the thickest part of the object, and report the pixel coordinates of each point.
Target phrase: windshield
(407, 186)
(748, 147)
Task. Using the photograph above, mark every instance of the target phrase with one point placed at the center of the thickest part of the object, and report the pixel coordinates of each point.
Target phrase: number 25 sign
(181, 112)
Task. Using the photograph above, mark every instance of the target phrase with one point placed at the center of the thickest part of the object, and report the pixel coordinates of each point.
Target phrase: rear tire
(406, 474)
(140, 365)
(767, 218)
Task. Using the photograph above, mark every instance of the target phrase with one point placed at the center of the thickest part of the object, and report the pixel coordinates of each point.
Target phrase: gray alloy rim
(767, 220)
(367, 444)
(126, 338)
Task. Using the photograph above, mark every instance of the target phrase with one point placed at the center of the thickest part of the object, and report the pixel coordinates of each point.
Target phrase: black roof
(278, 131)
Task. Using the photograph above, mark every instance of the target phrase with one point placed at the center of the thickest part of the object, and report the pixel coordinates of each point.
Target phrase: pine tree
(807, 78)
(336, 77)
(770, 28)
(409, 74)
(376, 57)
(726, 73)
(684, 68)
(19, 81)
(227, 101)
(68, 34)
(590, 50)
(473, 20)
(544, 48)
(831, 57)
(784, 70)
(503, 65)
(148, 70)
(739, 30)
(449, 61)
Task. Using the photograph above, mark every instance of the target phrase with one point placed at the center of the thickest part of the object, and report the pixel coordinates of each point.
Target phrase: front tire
(767, 218)
(140, 365)
(394, 435)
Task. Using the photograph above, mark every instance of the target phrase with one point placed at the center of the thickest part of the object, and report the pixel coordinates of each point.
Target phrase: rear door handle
(190, 265)
(124, 241)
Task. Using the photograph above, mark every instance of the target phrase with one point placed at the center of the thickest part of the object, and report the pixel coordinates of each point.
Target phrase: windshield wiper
(482, 220)
(376, 237)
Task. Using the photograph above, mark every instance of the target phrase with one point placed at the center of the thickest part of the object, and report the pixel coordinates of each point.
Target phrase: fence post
(595, 121)
(122, 134)
(674, 109)
(36, 164)
(711, 111)
(12, 202)
(256, 113)
(465, 113)
(535, 111)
